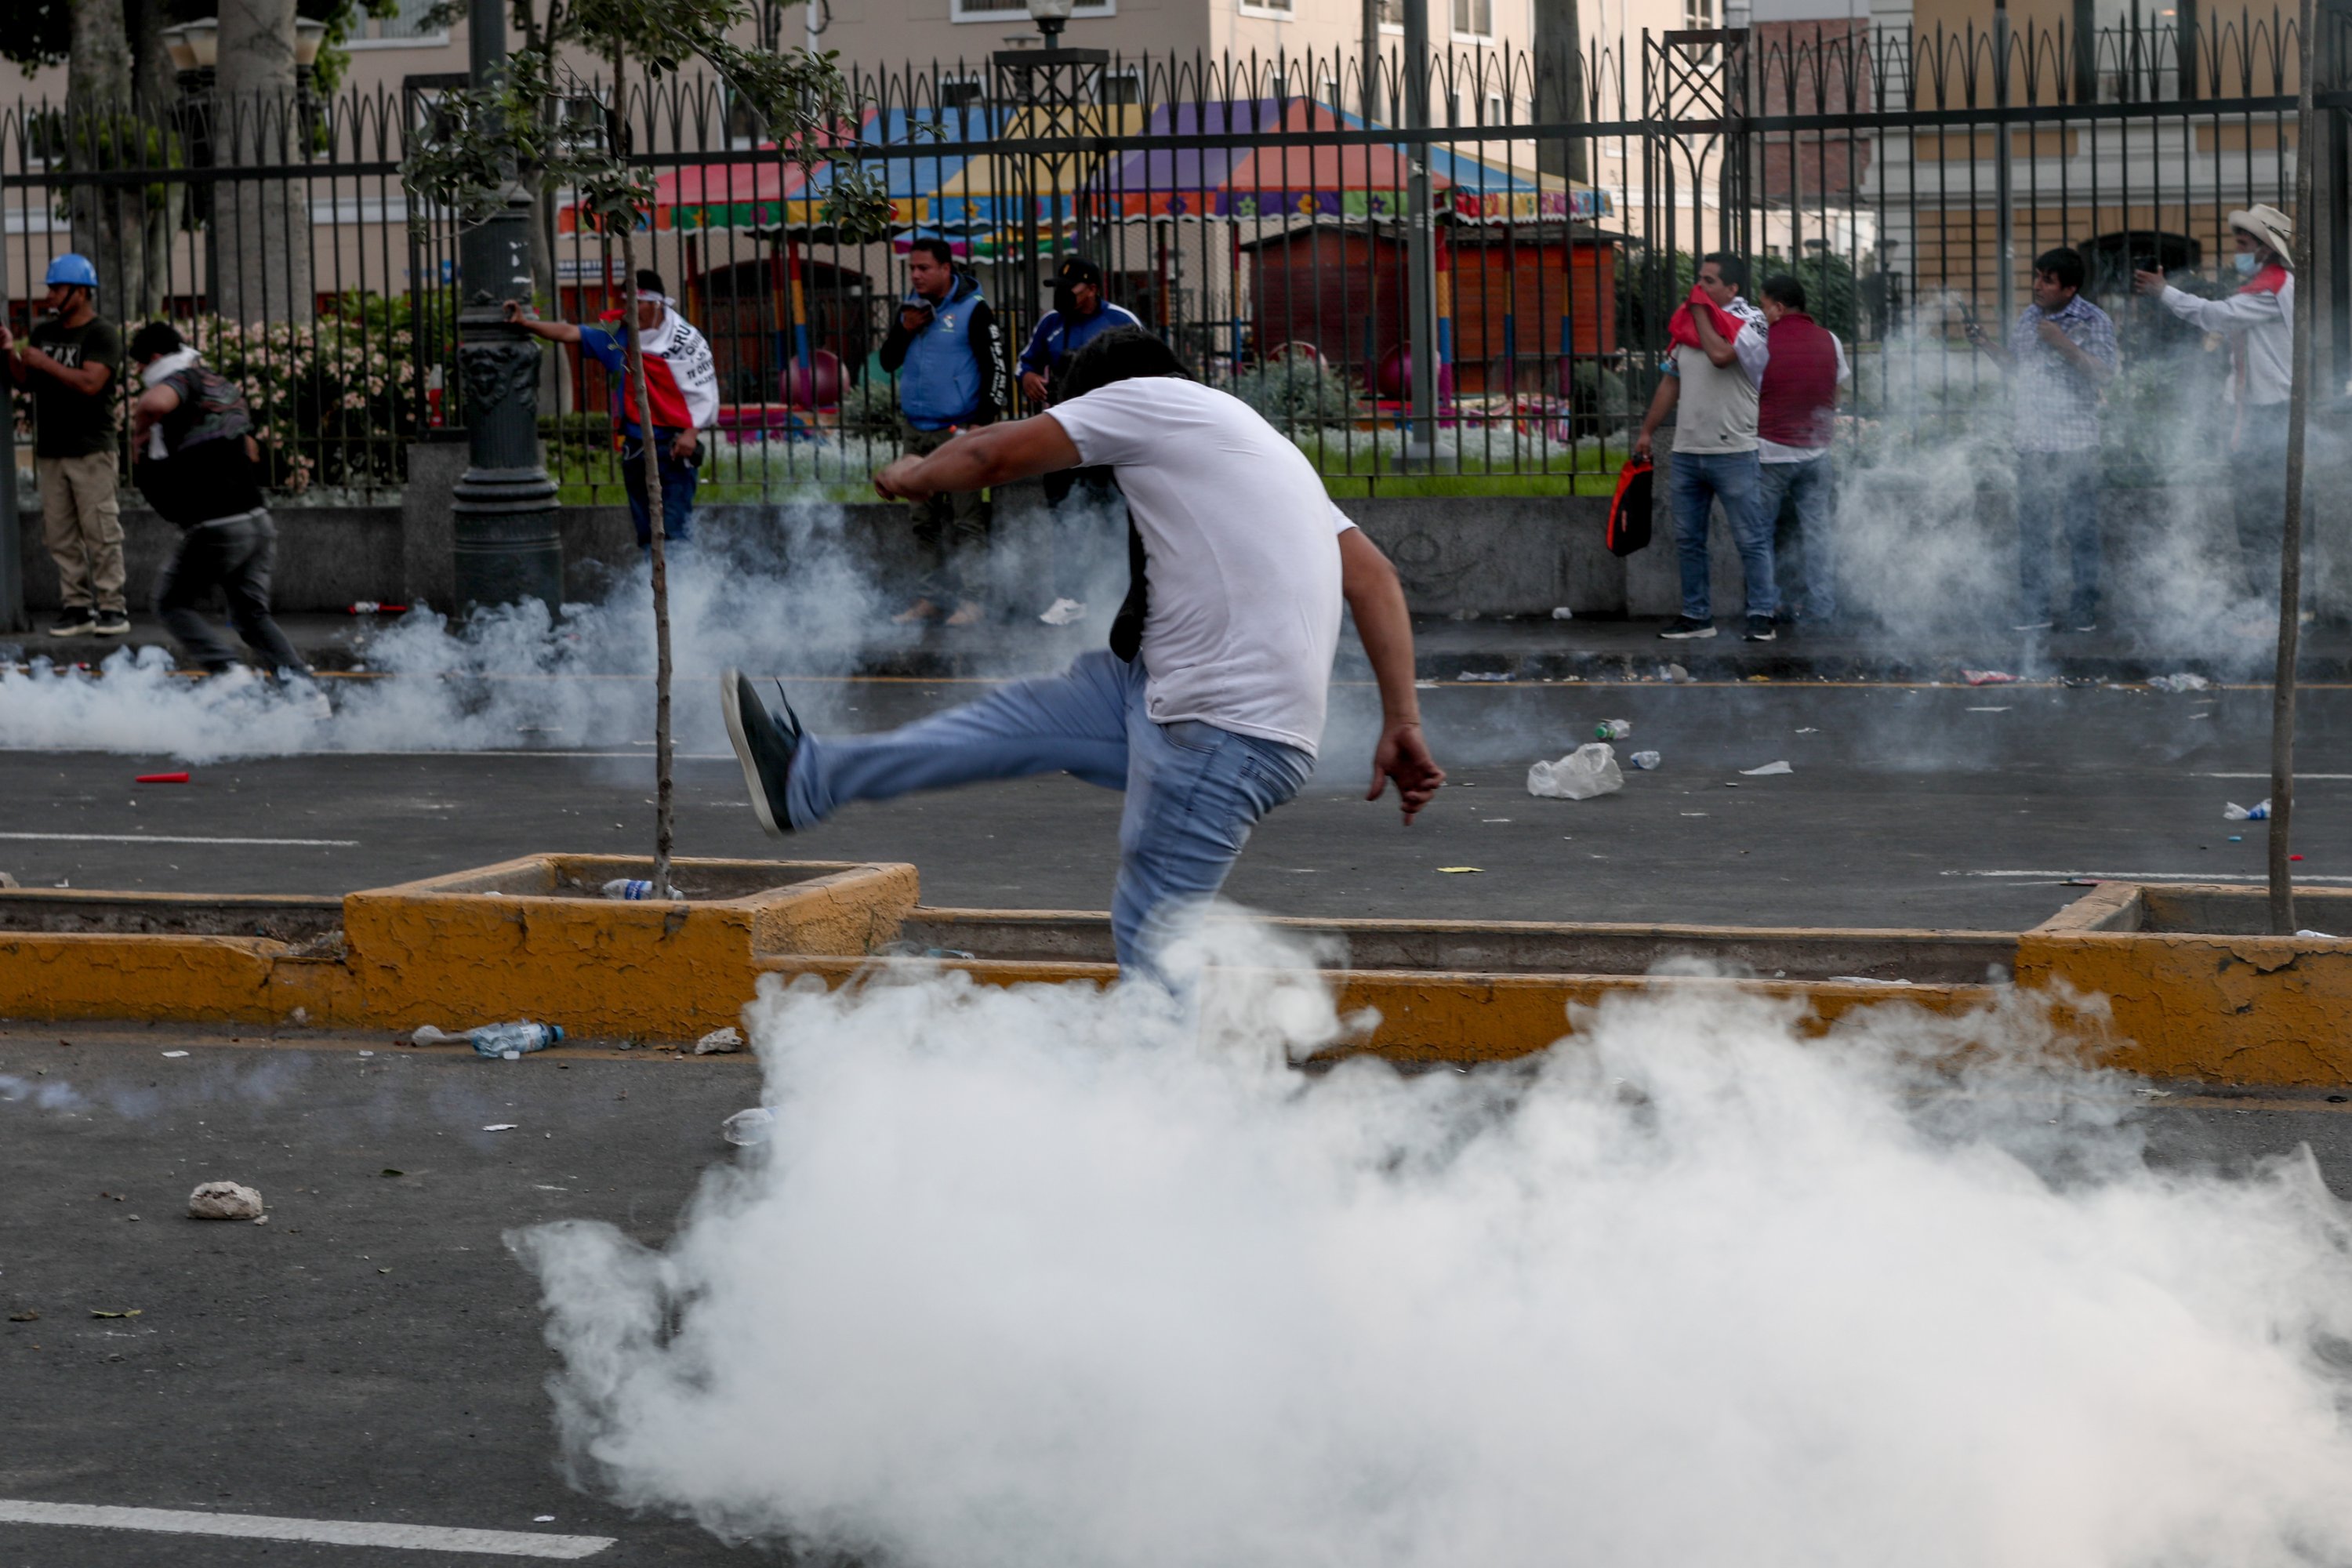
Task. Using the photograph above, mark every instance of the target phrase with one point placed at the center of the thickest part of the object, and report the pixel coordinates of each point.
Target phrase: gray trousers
(234, 555)
(950, 531)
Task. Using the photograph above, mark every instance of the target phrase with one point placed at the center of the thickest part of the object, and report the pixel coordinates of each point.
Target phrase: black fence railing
(1260, 214)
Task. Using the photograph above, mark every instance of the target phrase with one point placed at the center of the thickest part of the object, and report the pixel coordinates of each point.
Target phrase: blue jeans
(677, 480)
(1697, 479)
(1194, 791)
(1810, 492)
(2058, 490)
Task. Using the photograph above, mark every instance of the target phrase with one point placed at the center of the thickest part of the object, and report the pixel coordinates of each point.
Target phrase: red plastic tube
(163, 778)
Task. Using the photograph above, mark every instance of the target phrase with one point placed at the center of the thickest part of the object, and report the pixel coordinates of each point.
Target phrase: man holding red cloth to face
(1712, 374)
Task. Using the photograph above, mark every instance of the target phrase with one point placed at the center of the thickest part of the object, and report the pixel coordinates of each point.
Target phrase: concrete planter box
(533, 938)
(2195, 989)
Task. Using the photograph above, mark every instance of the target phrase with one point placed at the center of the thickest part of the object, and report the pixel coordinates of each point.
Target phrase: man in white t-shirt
(1211, 718)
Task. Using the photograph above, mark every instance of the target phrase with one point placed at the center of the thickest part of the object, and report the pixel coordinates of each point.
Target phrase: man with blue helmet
(73, 368)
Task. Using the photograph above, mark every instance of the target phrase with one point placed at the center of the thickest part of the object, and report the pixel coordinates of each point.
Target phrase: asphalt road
(372, 1353)
(1908, 807)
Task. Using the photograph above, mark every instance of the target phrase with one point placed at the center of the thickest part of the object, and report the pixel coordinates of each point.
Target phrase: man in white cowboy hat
(2259, 322)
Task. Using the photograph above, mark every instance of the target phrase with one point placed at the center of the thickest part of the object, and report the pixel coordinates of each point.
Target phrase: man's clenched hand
(1404, 755)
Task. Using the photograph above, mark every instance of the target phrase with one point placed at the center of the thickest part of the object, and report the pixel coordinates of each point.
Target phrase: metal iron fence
(1260, 214)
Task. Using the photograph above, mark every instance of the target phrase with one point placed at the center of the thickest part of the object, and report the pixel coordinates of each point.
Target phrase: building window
(1119, 88)
(1474, 18)
(1266, 7)
(961, 92)
(999, 10)
(1698, 14)
(410, 23)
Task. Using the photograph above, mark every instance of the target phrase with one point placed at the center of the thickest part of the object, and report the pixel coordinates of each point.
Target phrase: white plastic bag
(1588, 770)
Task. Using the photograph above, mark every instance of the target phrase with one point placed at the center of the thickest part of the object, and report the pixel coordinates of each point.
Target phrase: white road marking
(325, 1531)
(168, 838)
(2299, 778)
(2214, 876)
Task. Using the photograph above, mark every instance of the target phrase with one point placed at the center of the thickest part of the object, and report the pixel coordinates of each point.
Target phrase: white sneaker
(1064, 611)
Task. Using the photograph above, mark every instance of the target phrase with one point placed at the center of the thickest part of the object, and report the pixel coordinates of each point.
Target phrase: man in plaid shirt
(2060, 352)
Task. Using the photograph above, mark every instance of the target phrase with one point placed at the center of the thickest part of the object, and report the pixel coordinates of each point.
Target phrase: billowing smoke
(795, 599)
(1925, 543)
(1048, 1275)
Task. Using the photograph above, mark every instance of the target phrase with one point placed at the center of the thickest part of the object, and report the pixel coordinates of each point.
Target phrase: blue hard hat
(72, 270)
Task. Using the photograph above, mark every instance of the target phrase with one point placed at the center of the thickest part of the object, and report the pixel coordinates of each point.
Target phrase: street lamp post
(502, 518)
(1054, 84)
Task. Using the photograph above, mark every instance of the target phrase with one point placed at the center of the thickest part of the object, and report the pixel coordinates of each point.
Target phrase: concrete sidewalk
(1520, 649)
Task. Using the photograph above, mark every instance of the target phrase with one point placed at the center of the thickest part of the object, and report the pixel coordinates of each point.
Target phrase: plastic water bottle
(2234, 811)
(1644, 761)
(1613, 729)
(511, 1042)
(629, 887)
(745, 1128)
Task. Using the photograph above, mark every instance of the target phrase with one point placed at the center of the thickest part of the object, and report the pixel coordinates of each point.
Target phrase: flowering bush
(336, 399)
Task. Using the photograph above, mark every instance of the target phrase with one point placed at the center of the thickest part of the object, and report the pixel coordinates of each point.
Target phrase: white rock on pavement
(224, 1200)
(718, 1041)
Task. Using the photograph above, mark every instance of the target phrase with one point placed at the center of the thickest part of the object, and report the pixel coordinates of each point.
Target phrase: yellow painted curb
(530, 938)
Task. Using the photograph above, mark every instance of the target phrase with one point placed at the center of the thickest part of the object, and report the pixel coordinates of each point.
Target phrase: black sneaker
(74, 624)
(1759, 630)
(1684, 629)
(763, 745)
(115, 626)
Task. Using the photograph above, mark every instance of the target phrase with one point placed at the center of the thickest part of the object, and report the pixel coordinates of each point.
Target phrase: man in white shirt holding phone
(1208, 708)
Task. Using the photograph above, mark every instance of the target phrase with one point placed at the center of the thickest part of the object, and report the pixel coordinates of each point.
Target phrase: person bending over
(1207, 706)
(195, 460)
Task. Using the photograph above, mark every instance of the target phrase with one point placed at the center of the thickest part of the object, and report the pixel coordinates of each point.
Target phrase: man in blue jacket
(1080, 314)
(948, 356)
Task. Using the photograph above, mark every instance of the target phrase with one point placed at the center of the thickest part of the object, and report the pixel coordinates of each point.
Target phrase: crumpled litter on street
(1590, 770)
(1769, 769)
(719, 1041)
(1988, 678)
(2183, 682)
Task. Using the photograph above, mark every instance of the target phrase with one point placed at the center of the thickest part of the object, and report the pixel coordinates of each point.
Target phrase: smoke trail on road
(1046, 1275)
(797, 597)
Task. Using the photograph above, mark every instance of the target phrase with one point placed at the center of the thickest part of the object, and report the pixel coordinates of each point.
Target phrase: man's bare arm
(1385, 625)
(992, 455)
(152, 405)
(88, 379)
(520, 315)
(1712, 343)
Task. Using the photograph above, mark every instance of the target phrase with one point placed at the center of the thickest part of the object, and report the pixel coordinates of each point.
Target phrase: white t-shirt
(1241, 540)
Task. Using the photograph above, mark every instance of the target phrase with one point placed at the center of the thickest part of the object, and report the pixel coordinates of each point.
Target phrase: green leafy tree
(491, 140)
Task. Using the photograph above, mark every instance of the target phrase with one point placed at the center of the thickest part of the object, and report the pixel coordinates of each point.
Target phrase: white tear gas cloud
(797, 599)
(1050, 1277)
(1923, 535)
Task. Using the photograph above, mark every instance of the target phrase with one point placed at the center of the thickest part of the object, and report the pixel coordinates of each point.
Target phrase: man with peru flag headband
(2259, 322)
(681, 379)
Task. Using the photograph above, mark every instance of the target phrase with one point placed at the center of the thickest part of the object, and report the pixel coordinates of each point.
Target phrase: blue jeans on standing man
(1697, 479)
(1194, 791)
(1811, 492)
(2058, 492)
(679, 478)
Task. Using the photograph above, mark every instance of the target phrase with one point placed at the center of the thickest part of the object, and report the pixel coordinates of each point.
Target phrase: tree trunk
(664, 816)
(108, 131)
(261, 241)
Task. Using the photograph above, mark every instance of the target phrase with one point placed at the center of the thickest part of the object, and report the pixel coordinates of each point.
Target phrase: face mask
(2245, 262)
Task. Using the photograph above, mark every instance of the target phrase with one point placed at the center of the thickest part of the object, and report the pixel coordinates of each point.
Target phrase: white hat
(2270, 227)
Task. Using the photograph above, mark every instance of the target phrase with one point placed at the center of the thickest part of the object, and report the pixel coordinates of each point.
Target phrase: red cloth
(2269, 281)
(1795, 406)
(1682, 330)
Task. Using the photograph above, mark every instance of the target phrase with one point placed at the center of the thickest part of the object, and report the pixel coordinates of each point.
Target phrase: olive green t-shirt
(66, 423)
